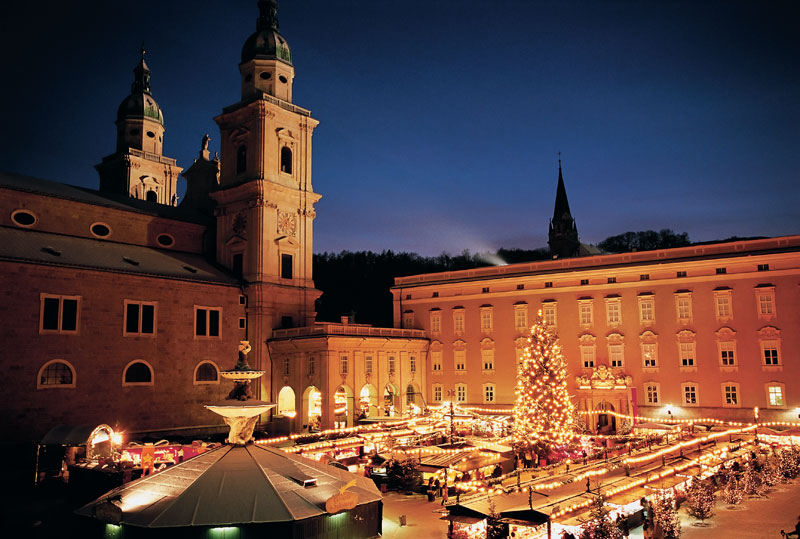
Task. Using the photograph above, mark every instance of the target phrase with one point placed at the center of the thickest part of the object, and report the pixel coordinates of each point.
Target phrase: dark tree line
(645, 240)
(357, 283)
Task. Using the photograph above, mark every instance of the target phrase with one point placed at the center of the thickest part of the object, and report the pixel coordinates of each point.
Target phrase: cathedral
(122, 305)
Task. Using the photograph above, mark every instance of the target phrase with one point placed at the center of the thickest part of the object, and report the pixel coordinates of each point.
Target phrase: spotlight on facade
(797, 411)
(669, 410)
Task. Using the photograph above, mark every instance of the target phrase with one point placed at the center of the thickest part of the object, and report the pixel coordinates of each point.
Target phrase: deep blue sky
(440, 120)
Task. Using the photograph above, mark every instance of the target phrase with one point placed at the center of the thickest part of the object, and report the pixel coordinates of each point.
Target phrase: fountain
(240, 411)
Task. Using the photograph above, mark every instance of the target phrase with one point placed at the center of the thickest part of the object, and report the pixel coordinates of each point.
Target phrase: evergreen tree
(733, 492)
(753, 481)
(543, 412)
(700, 497)
(771, 472)
(600, 526)
(789, 463)
(666, 515)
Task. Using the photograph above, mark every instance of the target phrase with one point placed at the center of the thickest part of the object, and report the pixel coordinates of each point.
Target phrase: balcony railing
(349, 330)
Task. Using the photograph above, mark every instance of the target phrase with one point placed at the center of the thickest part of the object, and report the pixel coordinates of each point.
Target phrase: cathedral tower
(138, 168)
(265, 201)
(563, 234)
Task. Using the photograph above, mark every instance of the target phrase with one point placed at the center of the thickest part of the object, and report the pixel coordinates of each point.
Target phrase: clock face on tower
(287, 223)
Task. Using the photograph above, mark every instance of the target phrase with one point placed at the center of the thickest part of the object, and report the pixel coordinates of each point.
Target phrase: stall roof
(229, 485)
(69, 435)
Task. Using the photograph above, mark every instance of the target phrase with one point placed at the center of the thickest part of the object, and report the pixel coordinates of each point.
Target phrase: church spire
(563, 234)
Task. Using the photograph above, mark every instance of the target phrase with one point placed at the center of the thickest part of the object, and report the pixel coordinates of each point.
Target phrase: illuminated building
(710, 329)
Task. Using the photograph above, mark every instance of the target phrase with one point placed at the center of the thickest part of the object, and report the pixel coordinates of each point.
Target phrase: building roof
(34, 247)
(267, 41)
(763, 246)
(227, 486)
(29, 184)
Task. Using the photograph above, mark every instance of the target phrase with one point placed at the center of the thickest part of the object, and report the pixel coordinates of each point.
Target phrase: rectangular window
(520, 287)
(458, 321)
(721, 271)
(763, 267)
(722, 301)
(650, 354)
(312, 364)
(770, 349)
(765, 303)
(391, 365)
(687, 354)
(461, 393)
(486, 319)
(615, 355)
(286, 266)
(286, 365)
(488, 393)
(521, 317)
(435, 294)
(367, 364)
(731, 394)
(775, 395)
(587, 355)
(586, 314)
(207, 321)
(59, 314)
(408, 320)
(343, 365)
(436, 361)
(683, 305)
(584, 282)
(646, 309)
(460, 357)
(436, 322)
(613, 312)
(140, 318)
(726, 354)
(412, 364)
(681, 274)
(488, 359)
(689, 394)
(485, 290)
(548, 284)
(651, 390)
(644, 277)
(437, 393)
(612, 280)
(549, 314)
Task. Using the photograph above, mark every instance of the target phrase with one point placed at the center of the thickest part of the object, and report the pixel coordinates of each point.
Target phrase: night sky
(441, 120)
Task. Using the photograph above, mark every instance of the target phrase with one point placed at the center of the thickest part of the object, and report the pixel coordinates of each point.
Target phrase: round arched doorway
(343, 407)
(389, 400)
(606, 422)
(368, 401)
(312, 408)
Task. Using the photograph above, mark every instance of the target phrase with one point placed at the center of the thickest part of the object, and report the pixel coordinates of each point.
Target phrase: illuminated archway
(390, 400)
(343, 407)
(286, 404)
(606, 423)
(368, 400)
(414, 402)
(312, 408)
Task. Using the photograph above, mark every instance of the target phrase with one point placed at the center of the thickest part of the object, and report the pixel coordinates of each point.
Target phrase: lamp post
(755, 420)
(452, 394)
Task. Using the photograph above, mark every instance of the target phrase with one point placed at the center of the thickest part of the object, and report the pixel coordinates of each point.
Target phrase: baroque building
(122, 306)
(691, 332)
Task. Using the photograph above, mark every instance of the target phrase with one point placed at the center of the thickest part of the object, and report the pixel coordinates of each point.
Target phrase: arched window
(410, 391)
(206, 373)
(152, 196)
(241, 159)
(286, 160)
(286, 401)
(137, 373)
(56, 373)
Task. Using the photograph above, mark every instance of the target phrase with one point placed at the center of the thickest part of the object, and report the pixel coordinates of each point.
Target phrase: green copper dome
(140, 104)
(267, 43)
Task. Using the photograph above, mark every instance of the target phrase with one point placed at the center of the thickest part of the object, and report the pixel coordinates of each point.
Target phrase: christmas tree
(666, 515)
(601, 526)
(543, 412)
(733, 491)
(789, 463)
(700, 498)
(753, 480)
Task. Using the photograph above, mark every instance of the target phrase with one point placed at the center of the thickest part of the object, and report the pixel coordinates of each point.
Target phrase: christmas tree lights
(543, 412)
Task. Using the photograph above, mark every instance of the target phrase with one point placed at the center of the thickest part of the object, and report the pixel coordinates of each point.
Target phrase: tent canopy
(70, 434)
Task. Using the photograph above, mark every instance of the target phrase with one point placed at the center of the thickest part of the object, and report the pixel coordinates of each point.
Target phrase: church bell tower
(265, 201)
